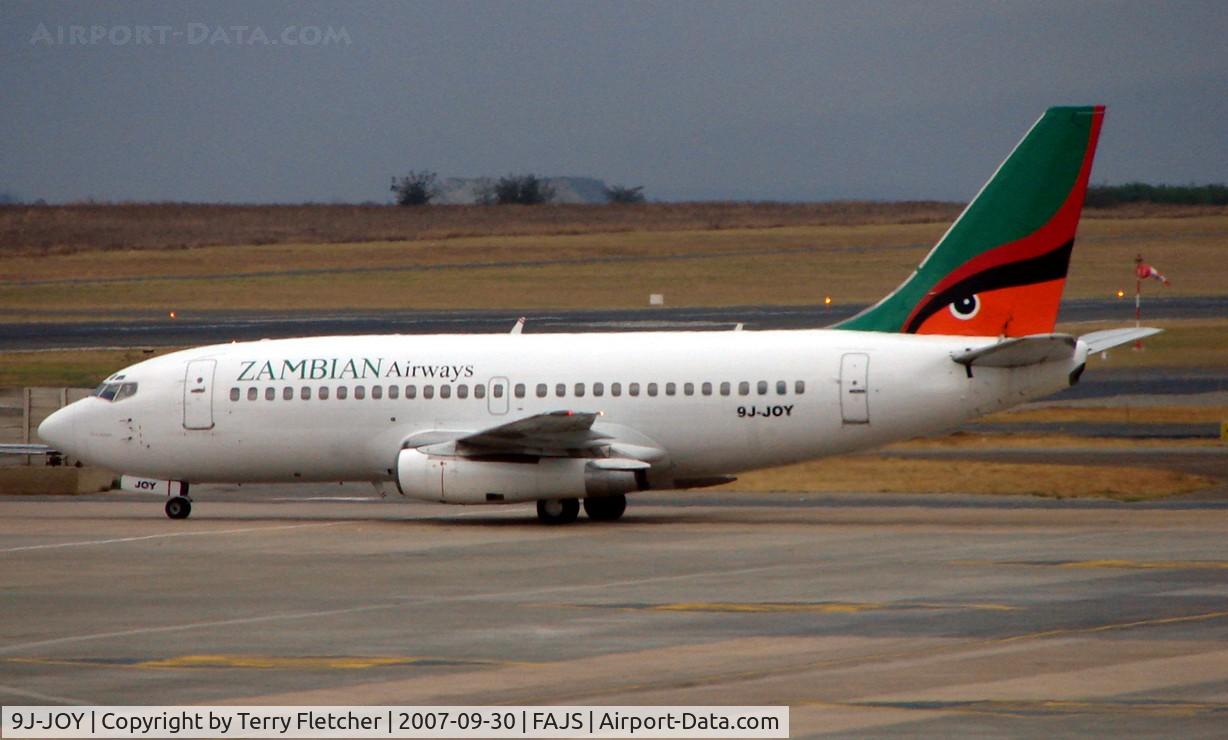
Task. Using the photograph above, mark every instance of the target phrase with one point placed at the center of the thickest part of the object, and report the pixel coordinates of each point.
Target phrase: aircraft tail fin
(1001, 267)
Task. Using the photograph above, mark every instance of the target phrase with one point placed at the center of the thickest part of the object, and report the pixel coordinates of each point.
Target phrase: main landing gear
(178, 507)
(566, 510)
(605, 508)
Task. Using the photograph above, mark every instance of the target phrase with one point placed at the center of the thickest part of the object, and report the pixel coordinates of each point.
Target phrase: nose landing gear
(179, 507)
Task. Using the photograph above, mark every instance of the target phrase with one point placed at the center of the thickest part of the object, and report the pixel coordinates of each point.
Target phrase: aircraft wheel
(179, 507)
(558, 511)
(605, 508)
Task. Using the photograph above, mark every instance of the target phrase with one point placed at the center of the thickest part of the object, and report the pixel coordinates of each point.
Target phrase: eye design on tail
(966, 307)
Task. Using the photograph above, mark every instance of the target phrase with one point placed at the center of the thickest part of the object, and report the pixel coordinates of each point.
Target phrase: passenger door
(198, 394)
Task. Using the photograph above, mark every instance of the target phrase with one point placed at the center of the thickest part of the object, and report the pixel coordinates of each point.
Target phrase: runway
(871, 615)
(194, 328)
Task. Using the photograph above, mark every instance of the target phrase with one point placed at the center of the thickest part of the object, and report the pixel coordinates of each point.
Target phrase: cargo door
(855, 388)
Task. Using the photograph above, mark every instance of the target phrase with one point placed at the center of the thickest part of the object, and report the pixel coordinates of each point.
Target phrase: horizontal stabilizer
(1019, 351)
(1099, 341)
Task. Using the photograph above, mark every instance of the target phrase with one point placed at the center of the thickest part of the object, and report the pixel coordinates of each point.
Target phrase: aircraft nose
(60, 430)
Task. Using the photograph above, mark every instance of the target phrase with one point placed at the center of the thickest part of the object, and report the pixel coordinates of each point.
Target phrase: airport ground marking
(399, 604)
(39, 696)
(164, 535)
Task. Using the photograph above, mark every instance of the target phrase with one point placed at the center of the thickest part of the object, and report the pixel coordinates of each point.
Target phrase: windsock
(1142, 271)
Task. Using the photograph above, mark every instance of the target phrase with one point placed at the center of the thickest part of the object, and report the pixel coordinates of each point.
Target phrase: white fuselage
(790, 396)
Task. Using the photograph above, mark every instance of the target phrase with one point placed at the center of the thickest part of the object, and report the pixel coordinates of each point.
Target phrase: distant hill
(464, 190)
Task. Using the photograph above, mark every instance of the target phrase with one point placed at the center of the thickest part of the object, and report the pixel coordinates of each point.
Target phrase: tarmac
(869, 615)
(189, 328)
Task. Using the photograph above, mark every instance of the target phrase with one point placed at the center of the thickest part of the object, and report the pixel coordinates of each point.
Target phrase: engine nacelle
(459, 480)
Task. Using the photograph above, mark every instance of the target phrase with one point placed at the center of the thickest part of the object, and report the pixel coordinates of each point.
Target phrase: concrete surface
(871, 615)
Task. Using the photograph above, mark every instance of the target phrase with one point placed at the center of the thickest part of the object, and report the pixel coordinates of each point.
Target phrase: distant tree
(484, 192)
(624, 195)
(1101, 196)
(528, 190)
(416, 188)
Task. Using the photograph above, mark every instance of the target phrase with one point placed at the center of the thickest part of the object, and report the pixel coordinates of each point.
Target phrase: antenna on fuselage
(518, 328)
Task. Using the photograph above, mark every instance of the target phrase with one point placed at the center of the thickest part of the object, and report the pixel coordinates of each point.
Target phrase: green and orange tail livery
(1000, 269)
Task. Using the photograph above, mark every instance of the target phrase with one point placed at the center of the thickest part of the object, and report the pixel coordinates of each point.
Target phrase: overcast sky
(763, 101)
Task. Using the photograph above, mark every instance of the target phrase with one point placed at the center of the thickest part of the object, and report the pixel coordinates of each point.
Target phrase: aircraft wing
(552, 433)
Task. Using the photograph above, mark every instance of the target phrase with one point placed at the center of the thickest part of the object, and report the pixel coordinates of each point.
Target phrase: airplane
(571, 420)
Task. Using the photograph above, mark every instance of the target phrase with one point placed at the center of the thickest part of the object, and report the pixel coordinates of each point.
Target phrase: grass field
(872, 474)
(699, 265)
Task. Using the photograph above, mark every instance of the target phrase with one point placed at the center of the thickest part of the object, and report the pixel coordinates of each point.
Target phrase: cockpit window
(115, 391)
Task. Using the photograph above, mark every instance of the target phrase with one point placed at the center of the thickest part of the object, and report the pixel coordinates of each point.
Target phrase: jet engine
(508, 479)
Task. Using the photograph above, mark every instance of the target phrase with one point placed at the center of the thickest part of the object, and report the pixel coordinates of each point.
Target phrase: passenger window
(706, 389)
(579, 390)
(616, 389)
(725, 388)
(497, 390)
(462, 391)
(598, 389)
(428, 391)
(287, 393)
(127, 390)
(688, 389)
(542, 390)
(252, 394)
(799, 387)
(411, 391)
(445, 391)
(519, 390)
(377, 391)
(479, 391)
(744, 388)
(234, 395)
(270, 393)
(323, 393)
(305, 393)
(343, 392)
(634, 389)
(360, 392)
(394, 391)
(652, 389)
(763, 387)
(560, 390)
(781, 387)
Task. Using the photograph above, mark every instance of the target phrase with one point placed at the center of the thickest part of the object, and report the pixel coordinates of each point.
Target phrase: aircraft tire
(558, 511)
(178, 507)
(605, 508)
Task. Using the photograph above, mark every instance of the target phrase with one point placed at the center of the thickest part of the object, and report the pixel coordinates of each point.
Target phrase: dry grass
(63, 229)
(779, 265)
(67, 368)
(865, 474)
(1013, 441)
